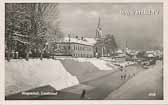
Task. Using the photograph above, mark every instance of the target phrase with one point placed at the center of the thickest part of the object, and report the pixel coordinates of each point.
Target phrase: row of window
(82, 48)
(75, 47)
(82, 55)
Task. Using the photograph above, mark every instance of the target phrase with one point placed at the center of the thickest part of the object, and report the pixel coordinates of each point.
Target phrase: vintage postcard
(84, 51)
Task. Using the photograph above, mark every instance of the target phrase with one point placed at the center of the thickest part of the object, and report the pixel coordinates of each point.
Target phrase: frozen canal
(71, 77)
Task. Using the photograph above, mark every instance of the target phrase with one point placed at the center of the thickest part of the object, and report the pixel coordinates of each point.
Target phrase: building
(99, 46)
(99, 33)
(82, 47)
(76, 47)
(79, 47)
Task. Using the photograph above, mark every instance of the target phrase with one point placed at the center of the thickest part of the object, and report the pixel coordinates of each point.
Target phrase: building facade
(75, 47)
(82, 50)
(83, 47)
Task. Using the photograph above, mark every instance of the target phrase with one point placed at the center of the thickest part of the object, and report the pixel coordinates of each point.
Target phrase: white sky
(140, 31)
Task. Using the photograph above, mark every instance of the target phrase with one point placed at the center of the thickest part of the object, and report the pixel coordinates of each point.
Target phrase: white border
(85, 102)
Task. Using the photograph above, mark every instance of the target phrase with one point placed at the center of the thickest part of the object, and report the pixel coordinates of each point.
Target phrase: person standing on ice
(123, 72)
(83, 95)
(121, 69)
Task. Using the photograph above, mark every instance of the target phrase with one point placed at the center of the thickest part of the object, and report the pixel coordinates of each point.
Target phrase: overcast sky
(141, 31)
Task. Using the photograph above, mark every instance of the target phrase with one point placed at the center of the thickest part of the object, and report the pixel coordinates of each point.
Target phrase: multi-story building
(76, 47)
(82, 47)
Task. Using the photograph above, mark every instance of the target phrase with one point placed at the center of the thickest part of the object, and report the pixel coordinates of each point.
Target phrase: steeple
(98, 30)
(98, 25)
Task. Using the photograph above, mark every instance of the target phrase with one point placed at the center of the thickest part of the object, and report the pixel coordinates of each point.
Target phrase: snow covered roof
(150, 55)
(119, 51)
(150, 51)
(85, 41)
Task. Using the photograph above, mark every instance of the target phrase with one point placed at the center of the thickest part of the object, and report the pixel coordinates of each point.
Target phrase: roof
(85, 41)
(150, 55)
(119, 51)
(150, 51)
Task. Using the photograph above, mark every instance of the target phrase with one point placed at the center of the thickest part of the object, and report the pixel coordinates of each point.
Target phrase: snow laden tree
(110, 43)
(17, 20)
(106, 46)
(27, 27)
(47, 25)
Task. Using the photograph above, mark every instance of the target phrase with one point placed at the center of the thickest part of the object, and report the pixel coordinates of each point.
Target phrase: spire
(99, 30)
(98, 26)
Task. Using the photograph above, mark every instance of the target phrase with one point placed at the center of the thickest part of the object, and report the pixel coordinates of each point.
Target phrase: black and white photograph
(84, 51)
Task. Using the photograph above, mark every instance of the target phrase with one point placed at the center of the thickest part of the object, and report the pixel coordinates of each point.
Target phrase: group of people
(124, 74)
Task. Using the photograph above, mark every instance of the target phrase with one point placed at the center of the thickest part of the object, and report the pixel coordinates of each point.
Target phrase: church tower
(98, 30)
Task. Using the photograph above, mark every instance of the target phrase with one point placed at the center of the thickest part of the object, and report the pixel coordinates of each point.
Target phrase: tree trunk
(9, 48)
(27, 53)
(8, 55)
(41, 55)
(27, 56)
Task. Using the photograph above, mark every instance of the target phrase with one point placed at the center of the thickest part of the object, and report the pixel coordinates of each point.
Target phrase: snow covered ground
(22, 75)
(99, 63)
(146, 85)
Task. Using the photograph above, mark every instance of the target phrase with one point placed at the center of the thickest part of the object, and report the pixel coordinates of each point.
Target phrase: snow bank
(78, 68)
(100, 64)
(22, 75)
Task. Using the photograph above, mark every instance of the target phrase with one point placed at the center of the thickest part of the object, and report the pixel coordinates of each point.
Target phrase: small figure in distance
(83, 95)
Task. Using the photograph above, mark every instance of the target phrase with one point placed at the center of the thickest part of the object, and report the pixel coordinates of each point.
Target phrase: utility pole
(69, 46)
(126, 44)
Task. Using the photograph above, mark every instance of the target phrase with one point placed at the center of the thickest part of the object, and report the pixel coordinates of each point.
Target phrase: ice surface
(141, 86)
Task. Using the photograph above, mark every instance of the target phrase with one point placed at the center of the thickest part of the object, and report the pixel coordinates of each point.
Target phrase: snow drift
(21, 75)
(99, 63)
